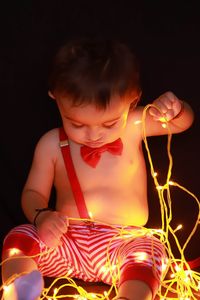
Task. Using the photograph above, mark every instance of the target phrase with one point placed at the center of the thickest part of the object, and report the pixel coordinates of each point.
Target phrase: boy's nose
(94, 134)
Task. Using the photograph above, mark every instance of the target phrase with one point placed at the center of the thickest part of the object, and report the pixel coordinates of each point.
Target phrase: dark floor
(92, 287)
(97, 288)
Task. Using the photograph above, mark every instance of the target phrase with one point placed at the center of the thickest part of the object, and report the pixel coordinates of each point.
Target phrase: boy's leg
(134, 290)
(141, 261)
(141, 270)
(20, 277)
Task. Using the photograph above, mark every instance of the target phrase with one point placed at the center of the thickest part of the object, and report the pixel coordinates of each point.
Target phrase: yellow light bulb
(92, 295)
(138, 122)
(159, 187)
(178, 227)
(90, 214)
(14, 251)
(171, 182)
(164, 125)
(6, 288)
(177, 268)
(55, 291)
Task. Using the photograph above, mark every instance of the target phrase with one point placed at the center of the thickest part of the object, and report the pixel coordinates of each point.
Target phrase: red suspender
(76, 189)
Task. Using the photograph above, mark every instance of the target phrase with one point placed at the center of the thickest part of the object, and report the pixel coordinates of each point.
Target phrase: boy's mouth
(94, 144)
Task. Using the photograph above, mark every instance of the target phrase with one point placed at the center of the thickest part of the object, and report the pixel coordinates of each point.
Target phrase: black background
(165, 36)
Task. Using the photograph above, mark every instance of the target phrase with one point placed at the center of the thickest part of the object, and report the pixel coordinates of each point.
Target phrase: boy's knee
(16, 242)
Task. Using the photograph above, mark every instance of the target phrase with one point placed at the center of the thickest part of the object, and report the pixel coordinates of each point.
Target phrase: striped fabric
(92, 252)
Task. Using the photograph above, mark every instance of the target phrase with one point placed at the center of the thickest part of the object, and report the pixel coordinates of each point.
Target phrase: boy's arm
(51, 225)
(39, 183)
(178, 114)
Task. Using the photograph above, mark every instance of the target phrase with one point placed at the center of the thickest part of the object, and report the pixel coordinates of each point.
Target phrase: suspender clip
(64, 143)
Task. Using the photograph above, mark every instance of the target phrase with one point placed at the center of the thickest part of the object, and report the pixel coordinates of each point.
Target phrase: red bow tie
(92, 155)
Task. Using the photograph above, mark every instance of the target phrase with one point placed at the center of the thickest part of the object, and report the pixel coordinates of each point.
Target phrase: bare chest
(111, 186)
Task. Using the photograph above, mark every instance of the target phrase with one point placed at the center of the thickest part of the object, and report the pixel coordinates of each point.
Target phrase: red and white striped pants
(94, 252)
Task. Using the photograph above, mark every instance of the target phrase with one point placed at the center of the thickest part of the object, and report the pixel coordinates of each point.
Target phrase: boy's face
(91, 126)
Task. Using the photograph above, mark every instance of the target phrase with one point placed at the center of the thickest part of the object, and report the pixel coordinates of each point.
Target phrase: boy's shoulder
(50, 136)
(49, 140)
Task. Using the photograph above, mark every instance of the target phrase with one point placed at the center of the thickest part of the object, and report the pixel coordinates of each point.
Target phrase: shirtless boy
(96, 87)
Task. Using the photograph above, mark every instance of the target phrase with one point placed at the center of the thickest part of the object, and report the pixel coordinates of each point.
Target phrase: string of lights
(178, 278)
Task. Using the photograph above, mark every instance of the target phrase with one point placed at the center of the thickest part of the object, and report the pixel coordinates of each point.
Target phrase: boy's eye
(109, 125)
(77, 125)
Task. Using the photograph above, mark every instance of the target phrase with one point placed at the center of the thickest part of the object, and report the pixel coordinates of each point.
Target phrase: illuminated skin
(89, 125)
(94, 127)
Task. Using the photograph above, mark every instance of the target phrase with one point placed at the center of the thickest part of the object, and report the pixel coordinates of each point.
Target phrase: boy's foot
(29, 286)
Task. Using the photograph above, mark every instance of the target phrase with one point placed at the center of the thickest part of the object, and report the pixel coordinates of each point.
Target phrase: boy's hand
(51, 226)
(169, 105)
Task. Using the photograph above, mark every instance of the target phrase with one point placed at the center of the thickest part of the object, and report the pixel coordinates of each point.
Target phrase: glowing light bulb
(6, 288)
(105, 293)
(178, 227)
(177, 268)
(171, 183)
(159, 187)
(104, 269)
(90, 214)
(69, 272)
(140, 256)
(164, 266)
(79, 297)
(14, 251)
(164, 125)
(188, 272)
(113, 267)
(92, 295)
(187, 280)
(138, 122)
(55, 292)
(159, 231)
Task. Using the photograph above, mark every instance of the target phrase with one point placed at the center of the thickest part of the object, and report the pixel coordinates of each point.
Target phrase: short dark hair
(91, 70)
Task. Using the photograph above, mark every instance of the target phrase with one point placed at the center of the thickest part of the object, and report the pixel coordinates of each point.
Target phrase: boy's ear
(51, 95)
